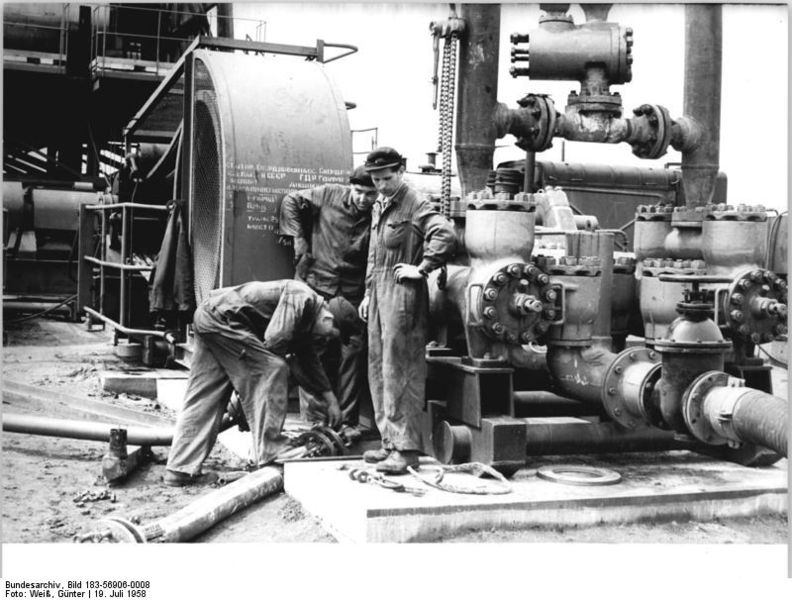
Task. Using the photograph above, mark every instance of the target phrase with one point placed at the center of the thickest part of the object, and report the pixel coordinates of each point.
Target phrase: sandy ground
(53, 488)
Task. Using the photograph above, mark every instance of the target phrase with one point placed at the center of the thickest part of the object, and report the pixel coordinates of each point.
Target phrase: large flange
(628, 385)
(545, 119)
(659, 126)
(518, 304)
(693, 406)
(755, 306)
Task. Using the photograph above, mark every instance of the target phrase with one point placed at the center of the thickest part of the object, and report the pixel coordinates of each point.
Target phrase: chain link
(446, 134)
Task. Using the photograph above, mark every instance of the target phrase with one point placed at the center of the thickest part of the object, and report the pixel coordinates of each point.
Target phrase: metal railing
(114, 47)
(123, 268)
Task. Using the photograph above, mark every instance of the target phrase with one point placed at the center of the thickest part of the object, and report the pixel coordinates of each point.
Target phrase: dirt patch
(53, 488)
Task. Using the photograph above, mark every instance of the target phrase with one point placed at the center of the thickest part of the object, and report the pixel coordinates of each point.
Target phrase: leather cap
(383, 158)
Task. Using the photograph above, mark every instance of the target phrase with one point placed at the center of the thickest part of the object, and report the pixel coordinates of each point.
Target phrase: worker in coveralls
(331, 225)
(409, 239)
(248, 338)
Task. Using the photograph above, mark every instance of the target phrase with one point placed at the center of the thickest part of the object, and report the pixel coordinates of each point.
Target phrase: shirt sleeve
(308, 370)
(299, 208)
(280, 338)
(375, 217)
(439, 237)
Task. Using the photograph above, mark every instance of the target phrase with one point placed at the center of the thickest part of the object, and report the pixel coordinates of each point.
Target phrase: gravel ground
(53, 489)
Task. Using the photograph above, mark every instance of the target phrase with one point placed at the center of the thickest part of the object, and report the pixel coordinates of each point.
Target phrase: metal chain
(447, 90)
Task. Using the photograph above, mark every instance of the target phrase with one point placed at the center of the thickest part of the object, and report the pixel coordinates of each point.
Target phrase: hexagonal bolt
(756, 276)
(744, 330)
(542, 326)
(550, 295)
(490, 312)
(500, 278)
(526, 337)
(490, 293)
(737, 299)
(744, 284)
(533, 305)
(543, 279)
(511, 338)
(549, 314)
(756, 338)
(515, 270)
(780, 329)
(737, 315)
(498, 327)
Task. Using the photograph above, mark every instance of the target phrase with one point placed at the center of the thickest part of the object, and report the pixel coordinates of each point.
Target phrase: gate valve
(698, 304)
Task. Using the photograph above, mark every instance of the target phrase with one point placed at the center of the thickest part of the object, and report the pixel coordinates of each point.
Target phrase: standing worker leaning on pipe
(408, 240)
(248, 338)
(331, 225)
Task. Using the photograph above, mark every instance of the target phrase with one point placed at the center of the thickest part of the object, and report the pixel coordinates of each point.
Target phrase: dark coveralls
(337, 234)
(405, 229)
(243, 335)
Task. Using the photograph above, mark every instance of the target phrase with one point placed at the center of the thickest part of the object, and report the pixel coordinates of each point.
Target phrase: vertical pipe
(122, 276)
(477, 90)
(84, 268)
(530, 171)
(103, 254)
(703, 57)
(225, 20)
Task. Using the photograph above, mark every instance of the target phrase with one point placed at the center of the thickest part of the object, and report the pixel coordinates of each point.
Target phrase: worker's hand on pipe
(363, 308)
(404, 271)
(333, 409)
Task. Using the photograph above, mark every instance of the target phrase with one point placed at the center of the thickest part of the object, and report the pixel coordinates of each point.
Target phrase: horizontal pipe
(584, 438)
(127, 330)
(35, 306)
(159, 207)
(84, 430)
(92, 430)
(115, 265)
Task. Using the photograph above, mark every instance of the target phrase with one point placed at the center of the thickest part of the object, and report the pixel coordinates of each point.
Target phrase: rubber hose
(761, 419)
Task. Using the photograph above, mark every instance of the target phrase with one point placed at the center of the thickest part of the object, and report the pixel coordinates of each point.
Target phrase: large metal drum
(262, 126)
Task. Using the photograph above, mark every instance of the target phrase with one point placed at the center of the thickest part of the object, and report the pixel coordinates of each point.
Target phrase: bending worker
(248, 338)
(331, 225)
(409, 239)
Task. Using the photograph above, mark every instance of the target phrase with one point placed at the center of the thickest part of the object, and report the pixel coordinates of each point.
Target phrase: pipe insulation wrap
(747, 415)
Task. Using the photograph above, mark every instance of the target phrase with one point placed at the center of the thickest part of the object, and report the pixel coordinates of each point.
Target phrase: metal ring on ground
(579, 475)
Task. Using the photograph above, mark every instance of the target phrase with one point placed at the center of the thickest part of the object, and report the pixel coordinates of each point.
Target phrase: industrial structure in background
(630, 301)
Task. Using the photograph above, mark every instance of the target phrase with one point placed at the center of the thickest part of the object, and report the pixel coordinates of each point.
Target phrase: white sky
(388, 78)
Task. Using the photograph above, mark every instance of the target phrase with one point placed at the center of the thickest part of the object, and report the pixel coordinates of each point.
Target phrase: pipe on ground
(197, 517)
(91, 430)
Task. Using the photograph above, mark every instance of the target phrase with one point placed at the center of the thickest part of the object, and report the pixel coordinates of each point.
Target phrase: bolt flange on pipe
(718, 409)
(629, 385)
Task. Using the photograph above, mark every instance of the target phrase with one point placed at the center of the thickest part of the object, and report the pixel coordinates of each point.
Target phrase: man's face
(387, 181)
(363, 196)
(324, 326)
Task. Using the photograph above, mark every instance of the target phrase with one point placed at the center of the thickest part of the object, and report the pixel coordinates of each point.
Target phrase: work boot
(375, 456)
(398, 461)
(179, 479)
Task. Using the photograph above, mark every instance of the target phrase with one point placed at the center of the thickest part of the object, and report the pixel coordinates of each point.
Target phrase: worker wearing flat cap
(409, 239)
(331, 225)
(247, 339)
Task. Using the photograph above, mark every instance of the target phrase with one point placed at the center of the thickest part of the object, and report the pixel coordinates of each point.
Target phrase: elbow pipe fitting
(719, 410)
(579, 372)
